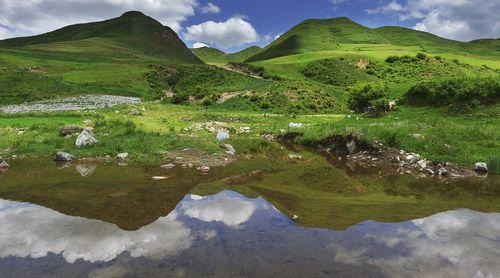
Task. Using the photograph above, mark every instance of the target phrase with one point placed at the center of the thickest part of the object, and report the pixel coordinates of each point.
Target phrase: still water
(104, 220)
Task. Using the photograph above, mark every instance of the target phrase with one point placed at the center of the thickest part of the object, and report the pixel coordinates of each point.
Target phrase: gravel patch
(85, 102)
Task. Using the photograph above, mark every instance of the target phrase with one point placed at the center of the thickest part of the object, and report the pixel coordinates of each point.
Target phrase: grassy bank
(463, 139)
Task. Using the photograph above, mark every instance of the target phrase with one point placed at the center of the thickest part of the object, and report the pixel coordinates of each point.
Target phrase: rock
(229, 149)
(245, 129)
(122, 156)
(351, 147)
(269, 136)
(86, 138)
(134, 112)
(62, 156)
(295, 217)
(442, 171)
(204, 168)
(159, 178)
(295, 125)
(168, 166)
(481, 167)
(429, 172)
(411, 159)
(222, 135)
(3, 164)
(417, 136)
(422, 164)
(69, 130)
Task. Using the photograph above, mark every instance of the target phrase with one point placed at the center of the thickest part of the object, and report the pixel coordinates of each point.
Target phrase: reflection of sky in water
(229, 235)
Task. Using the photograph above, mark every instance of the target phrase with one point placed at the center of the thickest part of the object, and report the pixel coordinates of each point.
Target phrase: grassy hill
(213, 55)
(133, 30)
(107, 57)
(316, 35)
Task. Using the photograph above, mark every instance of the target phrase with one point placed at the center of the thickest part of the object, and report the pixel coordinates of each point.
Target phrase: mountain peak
(133, 14)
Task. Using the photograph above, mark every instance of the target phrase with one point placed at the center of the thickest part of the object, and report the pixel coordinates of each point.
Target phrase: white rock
(204, 168)
(411, 158)
(222, 135)
(122, 156)
(481, 167)
(422, 163)
(295, 125)
(229, 149)
(159, 178)
(168, 166)
(442, 171)
(86, 138)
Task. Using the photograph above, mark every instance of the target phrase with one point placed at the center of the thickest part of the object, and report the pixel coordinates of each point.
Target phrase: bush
(421, 56)
(441, 92)
(367, 96)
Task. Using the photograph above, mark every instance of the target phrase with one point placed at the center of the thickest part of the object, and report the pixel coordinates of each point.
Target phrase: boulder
(69, 130)
(442, 171)
(422, 164)
(3, 164)
(481, 167)
(229, 149)
(122, 156)
(86, 138)
(222, 135)
(295, 125)
(62, 156)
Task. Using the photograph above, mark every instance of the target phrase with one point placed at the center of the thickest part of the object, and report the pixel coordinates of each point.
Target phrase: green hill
(131, 31)
(328, 34)
(213, 55)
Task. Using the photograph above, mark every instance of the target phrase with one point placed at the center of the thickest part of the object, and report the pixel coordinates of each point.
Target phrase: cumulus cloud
(199, 45)
(29, 17)
(232, 211)
(458, 243)
(30, 230)
(235, 31)
(210, 8)
(455, 19)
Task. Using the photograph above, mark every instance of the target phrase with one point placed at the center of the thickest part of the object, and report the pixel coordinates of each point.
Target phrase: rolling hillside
(213, 55)
(132, 31)
(329, 34)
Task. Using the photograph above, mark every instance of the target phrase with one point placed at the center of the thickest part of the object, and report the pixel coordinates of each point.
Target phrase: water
(104, 220)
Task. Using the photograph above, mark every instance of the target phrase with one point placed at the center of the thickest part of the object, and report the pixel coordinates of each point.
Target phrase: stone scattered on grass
(86, 138)
(62, 156)
(245, 129)
(204, 168)
(122, 156)
(134, 112)
(418, 137)
(69, 130)
(296, 125)
(481, 167)
(3, 164)
(228, 148)
(222, 135)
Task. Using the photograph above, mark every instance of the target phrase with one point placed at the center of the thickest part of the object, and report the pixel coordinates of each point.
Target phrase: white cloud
(278, 36)
(199, 45)
(455, 19)
(38, 16)
(210, 8)
(232, 211)
(235, 31)
(458, 243)
(34, 231)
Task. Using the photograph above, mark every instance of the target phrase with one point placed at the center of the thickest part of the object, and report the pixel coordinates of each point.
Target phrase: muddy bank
(355, 151)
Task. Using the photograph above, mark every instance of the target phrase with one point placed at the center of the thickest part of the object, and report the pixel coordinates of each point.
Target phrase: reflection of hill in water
(231, 235)
(322, 192)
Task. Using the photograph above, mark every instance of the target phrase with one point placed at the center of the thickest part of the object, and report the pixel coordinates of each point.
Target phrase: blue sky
(232, 25)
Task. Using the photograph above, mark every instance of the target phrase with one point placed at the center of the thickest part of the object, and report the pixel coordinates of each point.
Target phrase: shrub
(441, 92)
(421, 56)
(392, 59)
(365, 96)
